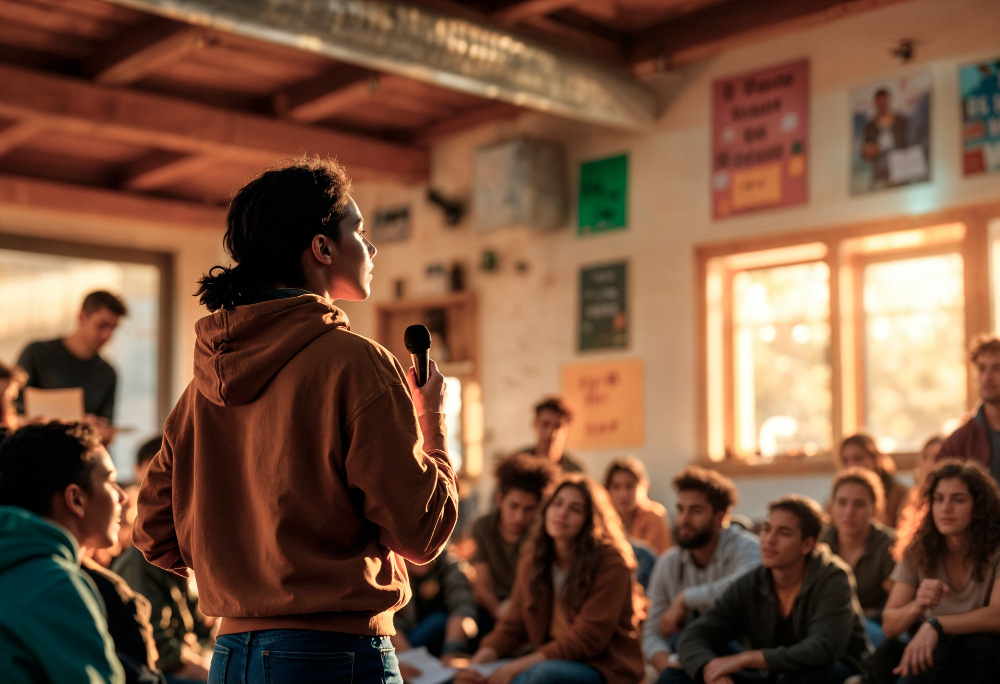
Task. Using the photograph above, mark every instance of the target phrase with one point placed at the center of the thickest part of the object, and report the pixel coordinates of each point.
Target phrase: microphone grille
(417, 338)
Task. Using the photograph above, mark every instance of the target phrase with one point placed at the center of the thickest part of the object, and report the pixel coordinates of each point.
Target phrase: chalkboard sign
(604, 307)
(603, 195)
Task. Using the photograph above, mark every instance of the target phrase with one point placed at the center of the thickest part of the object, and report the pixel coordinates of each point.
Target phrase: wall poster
(760, 139)
(891, 122)
(980, 84)
(604, 307)
(603, 195)
(607, 400)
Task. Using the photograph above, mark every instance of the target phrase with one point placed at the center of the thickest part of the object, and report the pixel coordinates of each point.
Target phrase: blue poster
(980, 84)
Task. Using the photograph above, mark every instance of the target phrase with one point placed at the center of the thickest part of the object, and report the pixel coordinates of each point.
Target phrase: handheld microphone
(417, 339)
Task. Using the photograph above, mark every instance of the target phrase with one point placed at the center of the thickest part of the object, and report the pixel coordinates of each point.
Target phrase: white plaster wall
(528, 321)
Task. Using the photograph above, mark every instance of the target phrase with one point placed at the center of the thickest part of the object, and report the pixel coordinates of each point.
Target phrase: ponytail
(271, 220)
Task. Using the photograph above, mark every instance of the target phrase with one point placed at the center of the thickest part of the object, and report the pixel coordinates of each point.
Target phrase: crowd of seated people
(887, 584)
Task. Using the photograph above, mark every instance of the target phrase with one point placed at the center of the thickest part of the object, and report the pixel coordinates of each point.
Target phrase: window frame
(846, 334)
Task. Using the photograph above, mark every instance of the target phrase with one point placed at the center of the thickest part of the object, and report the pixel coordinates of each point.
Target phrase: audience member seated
(178, 625)
(12, 379)
(860, 450)
(57, 492)
(979, 438)
(441, 615)
(862, 541)
(572, 599)
(709, 556)
(74, 361)
(552, 420)
(628, 484)
(947, 583)
(522, 482)
(798, 611)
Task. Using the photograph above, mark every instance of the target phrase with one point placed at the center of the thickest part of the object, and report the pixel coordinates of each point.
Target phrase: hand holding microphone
(425, 380)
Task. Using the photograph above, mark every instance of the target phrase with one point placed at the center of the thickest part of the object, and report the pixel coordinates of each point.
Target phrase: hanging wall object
(603, 195)
(604, 307)
(521, 183)
(391, 224)
(980, 85)
(607, 401)
(891, 124)
(760, 140)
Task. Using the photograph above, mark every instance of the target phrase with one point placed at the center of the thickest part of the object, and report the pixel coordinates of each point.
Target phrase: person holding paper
(74, 361)
(572, 599)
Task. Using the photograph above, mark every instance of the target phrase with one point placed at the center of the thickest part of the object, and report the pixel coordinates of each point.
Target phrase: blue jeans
(875, 633)
(560, 672)
(302, 656)
(430, 632)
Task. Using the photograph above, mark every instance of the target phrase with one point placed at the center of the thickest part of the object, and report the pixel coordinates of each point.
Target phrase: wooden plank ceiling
(96, 95)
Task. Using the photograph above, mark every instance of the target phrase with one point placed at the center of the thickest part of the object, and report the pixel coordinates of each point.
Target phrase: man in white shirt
(708, 556)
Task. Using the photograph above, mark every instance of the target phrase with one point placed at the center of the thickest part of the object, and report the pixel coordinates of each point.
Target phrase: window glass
(782, 394)
(453, 420)
(914, 337)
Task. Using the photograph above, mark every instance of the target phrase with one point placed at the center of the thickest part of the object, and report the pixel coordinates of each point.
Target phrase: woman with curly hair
(861, 450)
(946, 591)
(572, 599)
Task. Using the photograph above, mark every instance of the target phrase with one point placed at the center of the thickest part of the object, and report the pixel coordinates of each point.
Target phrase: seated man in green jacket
(57, 493)
(799, 612)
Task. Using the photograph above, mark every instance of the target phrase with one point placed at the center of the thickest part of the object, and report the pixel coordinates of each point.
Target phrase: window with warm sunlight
(781, 349)
(914, 348)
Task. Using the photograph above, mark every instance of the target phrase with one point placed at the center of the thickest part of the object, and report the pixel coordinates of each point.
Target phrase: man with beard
(979, 438)
(709, 555)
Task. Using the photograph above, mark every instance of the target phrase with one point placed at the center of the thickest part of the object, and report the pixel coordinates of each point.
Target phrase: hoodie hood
(238, 352)
(25, 536)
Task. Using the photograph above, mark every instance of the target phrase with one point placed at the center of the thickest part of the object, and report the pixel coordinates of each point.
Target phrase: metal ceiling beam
(397, 37)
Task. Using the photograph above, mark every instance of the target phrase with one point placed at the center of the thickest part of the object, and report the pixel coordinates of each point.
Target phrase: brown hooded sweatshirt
(293, 478)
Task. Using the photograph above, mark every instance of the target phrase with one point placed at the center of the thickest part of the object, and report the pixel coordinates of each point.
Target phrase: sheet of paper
(54, 404)
(907, 164)
(432, 670)
(486, 669)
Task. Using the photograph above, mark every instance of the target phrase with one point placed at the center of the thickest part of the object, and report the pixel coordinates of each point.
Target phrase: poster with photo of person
(980, 84)
(891, 126)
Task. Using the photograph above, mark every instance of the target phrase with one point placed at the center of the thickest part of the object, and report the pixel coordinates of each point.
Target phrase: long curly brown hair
(602, 527)
(928, 545)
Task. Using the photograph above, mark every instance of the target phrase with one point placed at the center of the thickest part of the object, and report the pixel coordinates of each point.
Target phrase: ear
(323, 249)
(75, 500)
(808, 544)
(499, 497)
(719, 517)
(81, 317)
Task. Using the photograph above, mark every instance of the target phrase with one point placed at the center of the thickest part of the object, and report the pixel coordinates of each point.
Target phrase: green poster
(603, 195)
(604, 307)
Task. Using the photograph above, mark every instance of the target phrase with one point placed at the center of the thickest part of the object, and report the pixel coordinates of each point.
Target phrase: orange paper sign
(607, 400)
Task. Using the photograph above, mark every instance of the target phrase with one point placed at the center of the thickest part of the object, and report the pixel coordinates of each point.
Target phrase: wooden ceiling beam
(493, 111)
(727, 25)
(145, 51)
(164, 123)
(162, 169)
(515, 14)
(327, 95)
(76, 201)
(17, 134)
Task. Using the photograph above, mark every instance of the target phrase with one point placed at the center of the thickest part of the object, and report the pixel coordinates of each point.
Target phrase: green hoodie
(52, 624)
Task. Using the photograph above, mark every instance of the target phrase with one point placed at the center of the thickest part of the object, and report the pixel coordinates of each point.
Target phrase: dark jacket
(970, 441)
(826, 619)
(873, 567)
(601, 633)
(444, 588)
(128, 624)
(295, 475)
(170, 600)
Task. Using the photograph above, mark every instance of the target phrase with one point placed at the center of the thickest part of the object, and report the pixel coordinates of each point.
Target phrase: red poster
(760, 131)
